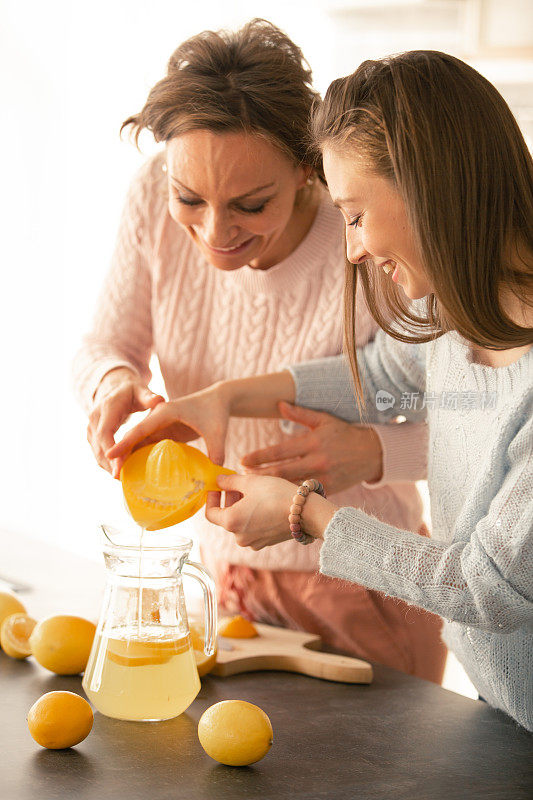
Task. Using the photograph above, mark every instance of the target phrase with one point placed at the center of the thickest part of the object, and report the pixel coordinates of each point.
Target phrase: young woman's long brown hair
(449, 143)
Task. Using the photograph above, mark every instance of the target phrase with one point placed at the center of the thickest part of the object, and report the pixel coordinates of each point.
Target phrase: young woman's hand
(204, 413)
(339, 454)
(120, 393)
(260, 517)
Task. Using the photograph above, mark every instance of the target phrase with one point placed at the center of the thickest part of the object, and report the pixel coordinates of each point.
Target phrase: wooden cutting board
(289, 651)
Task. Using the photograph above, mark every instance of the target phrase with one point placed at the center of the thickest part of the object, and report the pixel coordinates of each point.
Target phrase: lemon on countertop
(235, 733)
(62, 643)
(60, 719)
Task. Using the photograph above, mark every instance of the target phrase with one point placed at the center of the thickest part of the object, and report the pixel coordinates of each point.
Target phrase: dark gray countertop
(400, 738)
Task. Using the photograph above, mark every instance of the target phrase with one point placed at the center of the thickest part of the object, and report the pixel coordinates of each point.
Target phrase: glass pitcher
(142, 665)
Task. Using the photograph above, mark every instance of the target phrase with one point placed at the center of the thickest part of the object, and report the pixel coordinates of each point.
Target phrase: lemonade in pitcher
(149, 678)
(142, 664)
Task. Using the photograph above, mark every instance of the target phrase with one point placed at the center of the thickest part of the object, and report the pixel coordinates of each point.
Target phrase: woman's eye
(188, 202)
(254, 209)
(355, 222)
(245, 209)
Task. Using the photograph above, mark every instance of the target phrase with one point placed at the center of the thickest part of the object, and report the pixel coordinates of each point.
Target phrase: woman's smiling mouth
(228, 251)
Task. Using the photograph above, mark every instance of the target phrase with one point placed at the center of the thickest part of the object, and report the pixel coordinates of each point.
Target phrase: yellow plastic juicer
(167, 482)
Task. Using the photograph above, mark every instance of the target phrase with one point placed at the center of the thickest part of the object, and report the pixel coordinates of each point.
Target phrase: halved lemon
(238, 628)
(15, 635)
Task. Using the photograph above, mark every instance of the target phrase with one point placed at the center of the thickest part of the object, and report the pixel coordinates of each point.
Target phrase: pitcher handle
(197, 571)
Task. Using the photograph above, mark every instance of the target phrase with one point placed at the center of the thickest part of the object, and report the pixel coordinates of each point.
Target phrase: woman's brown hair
(254, 80)
(444, 136)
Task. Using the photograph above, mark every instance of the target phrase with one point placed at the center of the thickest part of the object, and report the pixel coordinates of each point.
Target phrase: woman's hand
(260, 517)
(119, 394)
(339, 454)
(203, 413)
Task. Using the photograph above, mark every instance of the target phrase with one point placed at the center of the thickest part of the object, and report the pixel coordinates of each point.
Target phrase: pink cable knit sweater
(161, 296)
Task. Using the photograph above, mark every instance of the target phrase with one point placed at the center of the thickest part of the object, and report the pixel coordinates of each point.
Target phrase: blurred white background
(71, 72)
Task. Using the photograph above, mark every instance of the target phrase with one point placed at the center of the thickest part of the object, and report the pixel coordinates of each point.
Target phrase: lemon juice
(149, 678)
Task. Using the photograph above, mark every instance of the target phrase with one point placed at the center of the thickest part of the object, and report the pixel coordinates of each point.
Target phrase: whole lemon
(235, 733)
(9, 604)
(15, 632)
(60, 719)
(62, 643)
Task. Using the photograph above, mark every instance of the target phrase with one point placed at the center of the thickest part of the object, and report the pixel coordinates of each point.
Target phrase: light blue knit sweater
(476, 571)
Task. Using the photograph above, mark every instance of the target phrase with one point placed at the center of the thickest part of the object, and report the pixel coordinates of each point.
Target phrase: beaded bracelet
(295, 511)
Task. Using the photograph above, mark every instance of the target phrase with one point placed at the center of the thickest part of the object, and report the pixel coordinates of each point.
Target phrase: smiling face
(234, 193)
(377, 227)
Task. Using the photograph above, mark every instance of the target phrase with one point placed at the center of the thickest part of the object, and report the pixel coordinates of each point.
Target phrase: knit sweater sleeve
(404, 448)
(121, 335)
(482, 577)
(391, 373)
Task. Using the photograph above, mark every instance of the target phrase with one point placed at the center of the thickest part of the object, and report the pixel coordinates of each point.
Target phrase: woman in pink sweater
(229, 263)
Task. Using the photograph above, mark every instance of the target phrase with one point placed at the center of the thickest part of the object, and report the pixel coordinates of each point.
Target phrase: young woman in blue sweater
(435, 183)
